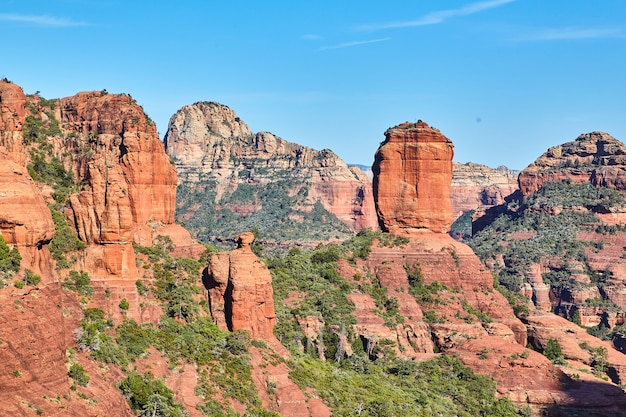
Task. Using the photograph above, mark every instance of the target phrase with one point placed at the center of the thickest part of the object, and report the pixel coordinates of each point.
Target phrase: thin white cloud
(438, 16)
(311, 37)
(41, 20)
(354, 43)
(572, 34)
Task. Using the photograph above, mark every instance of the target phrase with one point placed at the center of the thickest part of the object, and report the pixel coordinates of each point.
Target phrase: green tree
(553, 352)
(77, 373)
(10, 259)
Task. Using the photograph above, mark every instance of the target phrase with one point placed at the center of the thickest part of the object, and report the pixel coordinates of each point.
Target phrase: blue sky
(504, 79)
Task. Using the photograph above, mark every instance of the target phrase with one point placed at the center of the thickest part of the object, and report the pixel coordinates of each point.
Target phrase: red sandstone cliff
(412, 174)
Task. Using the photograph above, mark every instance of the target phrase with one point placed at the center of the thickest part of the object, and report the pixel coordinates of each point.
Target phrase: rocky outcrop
(596, 158)
(25, 219)
(226, 171)
(478, 186)
(412, 174)
(240, 291)
(130, 184)
(12, 118)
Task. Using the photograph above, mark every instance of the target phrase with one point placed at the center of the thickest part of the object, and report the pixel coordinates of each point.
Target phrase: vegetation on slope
(543, 228)
(273, 209)
(376, 383)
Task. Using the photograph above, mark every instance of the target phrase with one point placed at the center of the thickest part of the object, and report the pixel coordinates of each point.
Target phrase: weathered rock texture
(37, 326)
(25, 219)
(478, 186)
(131, 185)
(412, 174)
(125, 191)
(226, 170)
(467, 317)
(240, 291)
(12, 117)
(596, 158)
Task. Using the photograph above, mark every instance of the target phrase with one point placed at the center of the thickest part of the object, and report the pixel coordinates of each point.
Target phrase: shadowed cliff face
(229, 175)
(412, 174)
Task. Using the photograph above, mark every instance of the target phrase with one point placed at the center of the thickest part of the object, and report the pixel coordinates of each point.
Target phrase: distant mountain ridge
(232, 180)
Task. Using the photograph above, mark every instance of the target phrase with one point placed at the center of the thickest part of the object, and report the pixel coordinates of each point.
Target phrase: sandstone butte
(523, 375)
(412, 174)
(208, 141)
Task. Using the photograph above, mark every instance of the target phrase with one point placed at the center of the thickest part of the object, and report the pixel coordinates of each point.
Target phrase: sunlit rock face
(597, 158)
(412, 176)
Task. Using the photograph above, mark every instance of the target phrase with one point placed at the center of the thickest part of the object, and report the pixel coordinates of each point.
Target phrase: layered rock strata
(12, 118)
(226, 170)
(412, 174)
(477, 186)
(597, 158)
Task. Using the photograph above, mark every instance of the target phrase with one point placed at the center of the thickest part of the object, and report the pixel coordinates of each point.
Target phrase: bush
(124, 304)
(149, 396)
(10, 259)
(64, 240)
(77, 373)
(134, 339)
(78, 282)
(31, 278)
(553, 352)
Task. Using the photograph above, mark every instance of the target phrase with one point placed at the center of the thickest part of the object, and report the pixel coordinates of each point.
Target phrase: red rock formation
(130, 181)
(596, 158)
(211, 144)
(478, 186)
(240, 291)
(25, 219)
(37, 326)
(12, 117)
(575, 343)
(412, 174)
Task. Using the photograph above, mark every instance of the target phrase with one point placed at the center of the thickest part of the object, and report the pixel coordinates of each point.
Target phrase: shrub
(149, 396)
(64, 239)
(30, 278)
(10, 259)
(78, 282)
(553, 352)
(124, 304)
(77, 373)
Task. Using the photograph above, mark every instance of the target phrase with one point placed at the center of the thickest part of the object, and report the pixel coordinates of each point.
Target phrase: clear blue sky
(504, 79)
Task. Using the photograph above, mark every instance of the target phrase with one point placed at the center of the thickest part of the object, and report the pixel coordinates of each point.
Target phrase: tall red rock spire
(412, 176)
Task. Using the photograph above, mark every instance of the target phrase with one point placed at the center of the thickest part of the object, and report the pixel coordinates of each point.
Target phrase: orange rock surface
(25, 219)
(12, 118)
(412, 174)
(240, 291)
(130, 182)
